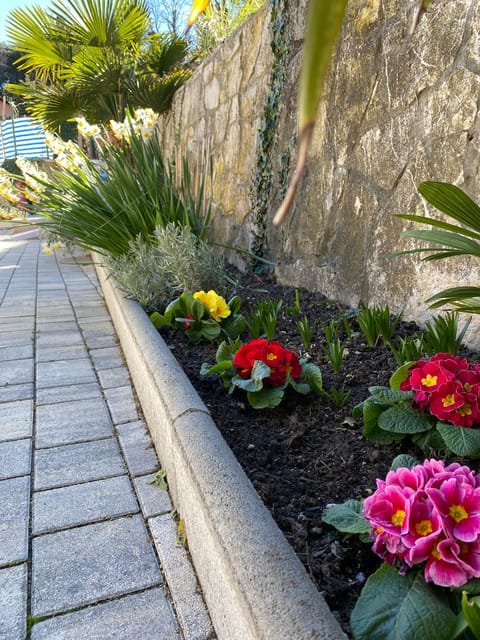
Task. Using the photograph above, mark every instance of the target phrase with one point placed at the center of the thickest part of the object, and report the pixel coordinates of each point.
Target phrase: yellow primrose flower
(215, 304)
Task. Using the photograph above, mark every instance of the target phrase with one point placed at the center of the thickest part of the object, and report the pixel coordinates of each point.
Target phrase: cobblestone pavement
(88, 546)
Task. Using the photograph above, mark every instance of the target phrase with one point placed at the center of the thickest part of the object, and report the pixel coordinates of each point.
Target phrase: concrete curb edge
(253, 583)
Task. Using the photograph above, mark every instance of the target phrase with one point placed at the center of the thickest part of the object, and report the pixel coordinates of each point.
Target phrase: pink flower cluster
(448, 387)
(428, 514)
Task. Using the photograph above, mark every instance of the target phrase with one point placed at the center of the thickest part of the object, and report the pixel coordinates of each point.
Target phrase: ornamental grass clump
(424, 520)
(173, 260)
(435, 401)
(263, 369)
(103, 204)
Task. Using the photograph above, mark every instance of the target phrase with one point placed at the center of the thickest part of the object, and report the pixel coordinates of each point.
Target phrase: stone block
(121, 404)
(53, 395)
(73, 421)
(116, 377)
(135, 617)
(15, 458)
(192, 613)
(76, 567)
(137, 448)
(13, 602)
(63, 372)
(107, 358)
(80, 504)
(16, 372)
(16, 417)
(71, 464)
(14, 517)
(153, 499)
(13, 392)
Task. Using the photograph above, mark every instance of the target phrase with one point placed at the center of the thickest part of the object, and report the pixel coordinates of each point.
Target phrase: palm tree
(93, 58)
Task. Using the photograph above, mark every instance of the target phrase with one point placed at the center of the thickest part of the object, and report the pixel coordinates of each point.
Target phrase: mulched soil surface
(306, 453)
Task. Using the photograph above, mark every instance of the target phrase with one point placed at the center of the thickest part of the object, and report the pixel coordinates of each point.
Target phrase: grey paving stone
(99, 342)
(107, 358)
(18, 352)
(12, 338)
(15, 458)
(139, 616)
(82, 503)
(45, 354)
(72, 421)
(14, 516)
(72, 464)
(53, 325)
(14, 392)
(25, 323)
(63, 372)
(13, 602)
(137, 448)
(16, 371)
(59, 338)
(154, 500)
(54, 395)
(181, 579)
(121, 404)
(116, 377)
(16, 417)
(79, 566)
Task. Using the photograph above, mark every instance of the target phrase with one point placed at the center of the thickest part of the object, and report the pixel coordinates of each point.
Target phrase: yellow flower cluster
(48, 248)
(7, 191)
(67, 154)
(144, 122)
(217, 306)
(31, 175)
(87, 129)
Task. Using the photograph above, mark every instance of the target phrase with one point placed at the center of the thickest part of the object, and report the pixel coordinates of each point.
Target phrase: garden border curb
(254, 585)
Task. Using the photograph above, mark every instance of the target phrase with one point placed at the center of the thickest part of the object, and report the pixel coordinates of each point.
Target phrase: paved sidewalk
(88, 546)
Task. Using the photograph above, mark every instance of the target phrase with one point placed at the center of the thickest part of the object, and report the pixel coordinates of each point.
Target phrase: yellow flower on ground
(215, 304)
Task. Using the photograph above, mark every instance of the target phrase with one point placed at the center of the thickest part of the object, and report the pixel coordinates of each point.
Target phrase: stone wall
(398, 110)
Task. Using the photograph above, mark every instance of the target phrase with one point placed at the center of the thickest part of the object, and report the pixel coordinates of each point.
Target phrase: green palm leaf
(455, 243)
(451, 200)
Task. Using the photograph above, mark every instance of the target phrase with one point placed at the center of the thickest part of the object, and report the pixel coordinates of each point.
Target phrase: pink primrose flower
(458, 504)
(387, 509)
(443, 568)
(429, 515)
(425, 526)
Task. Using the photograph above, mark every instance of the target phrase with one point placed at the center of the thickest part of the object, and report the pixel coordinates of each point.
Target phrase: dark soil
(307, 452)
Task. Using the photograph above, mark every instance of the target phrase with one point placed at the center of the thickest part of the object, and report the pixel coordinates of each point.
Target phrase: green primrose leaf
(403, 460)
(400, 375)
(471, 613)
(158, 320)
(384, 395)
(472, 587)
(396, 607)
(234, 304)
(226, 350)
(462, 441)
(347, 517)
(266, 398)
(312, 375)
(207, 369)
(300, 387)
(401, 419)
(371, 413)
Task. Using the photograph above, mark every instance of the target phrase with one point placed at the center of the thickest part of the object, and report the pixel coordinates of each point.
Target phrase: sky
(7, 5)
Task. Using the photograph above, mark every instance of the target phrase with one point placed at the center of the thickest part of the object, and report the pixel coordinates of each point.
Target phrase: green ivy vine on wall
(262, 182)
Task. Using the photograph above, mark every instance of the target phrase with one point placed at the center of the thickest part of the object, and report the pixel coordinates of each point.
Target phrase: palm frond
(452, 201)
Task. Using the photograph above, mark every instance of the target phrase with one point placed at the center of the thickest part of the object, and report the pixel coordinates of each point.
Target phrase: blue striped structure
(22, 137)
